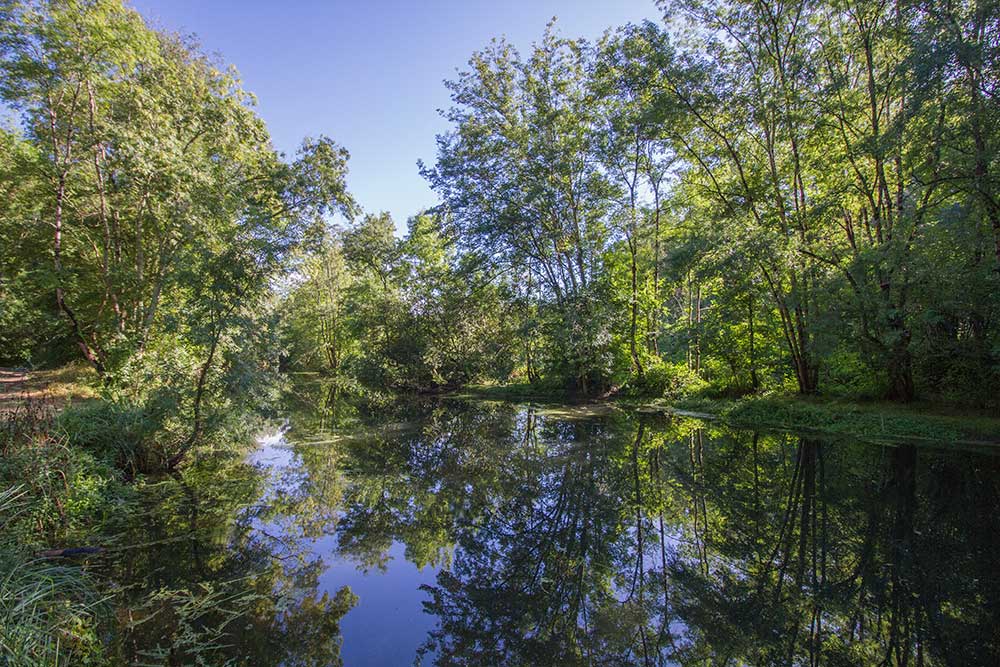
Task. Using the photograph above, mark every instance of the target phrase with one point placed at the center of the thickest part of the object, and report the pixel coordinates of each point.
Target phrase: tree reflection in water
(562, 538)
(205, 581)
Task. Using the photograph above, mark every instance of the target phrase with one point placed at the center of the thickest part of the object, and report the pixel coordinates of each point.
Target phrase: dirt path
(12, 387)
(55, 388)
(11, 379)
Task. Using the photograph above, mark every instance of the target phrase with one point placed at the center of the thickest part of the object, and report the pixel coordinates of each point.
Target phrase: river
(447, 531)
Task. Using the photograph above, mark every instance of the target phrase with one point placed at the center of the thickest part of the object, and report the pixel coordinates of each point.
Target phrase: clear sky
(369, 74)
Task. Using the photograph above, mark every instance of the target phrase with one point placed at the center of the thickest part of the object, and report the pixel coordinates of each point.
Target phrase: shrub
(663, 379)
(116, 433)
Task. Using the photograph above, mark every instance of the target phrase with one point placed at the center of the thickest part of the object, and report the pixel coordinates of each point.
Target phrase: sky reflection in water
(488, 534)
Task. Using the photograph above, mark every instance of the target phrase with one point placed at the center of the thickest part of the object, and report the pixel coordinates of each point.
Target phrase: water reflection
(203, 582)
(538, 537)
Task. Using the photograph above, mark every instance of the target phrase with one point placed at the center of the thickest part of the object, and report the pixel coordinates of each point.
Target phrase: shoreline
(872, 421)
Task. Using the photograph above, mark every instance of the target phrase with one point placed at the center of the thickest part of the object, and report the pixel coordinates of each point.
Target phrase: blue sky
(369, 74)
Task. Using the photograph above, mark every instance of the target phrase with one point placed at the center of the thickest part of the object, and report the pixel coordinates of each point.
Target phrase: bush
(124, 436)
(60, 488)
(663, 379)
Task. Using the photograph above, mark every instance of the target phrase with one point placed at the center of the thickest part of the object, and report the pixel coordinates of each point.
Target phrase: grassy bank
(77, 476)
(872, 421)
(53, 495)
(521, 391)
(868, 420)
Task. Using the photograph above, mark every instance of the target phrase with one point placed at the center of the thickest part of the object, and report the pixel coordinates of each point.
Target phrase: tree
(521, 184)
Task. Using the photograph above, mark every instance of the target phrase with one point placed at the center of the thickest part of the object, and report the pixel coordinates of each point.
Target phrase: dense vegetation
(793, 197)
(145, 211)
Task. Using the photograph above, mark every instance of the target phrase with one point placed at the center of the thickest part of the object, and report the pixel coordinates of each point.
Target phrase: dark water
(462, 533)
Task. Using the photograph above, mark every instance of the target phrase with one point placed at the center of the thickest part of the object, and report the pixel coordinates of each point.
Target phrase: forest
(800, 198)
(743, 201)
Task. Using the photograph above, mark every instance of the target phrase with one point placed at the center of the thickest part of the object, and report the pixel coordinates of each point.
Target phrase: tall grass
(117, 434)
(48, 611)
(63, 483)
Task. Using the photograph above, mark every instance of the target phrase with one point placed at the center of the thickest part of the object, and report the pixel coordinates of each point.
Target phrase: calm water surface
(446, 532)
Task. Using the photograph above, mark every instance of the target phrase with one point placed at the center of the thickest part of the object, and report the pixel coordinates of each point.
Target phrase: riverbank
(881, 421)
(876, 420)
(85, 502)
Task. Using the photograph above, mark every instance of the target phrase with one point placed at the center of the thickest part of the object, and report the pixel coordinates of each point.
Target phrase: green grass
(876, 420)
(49, 612)
(870, 420)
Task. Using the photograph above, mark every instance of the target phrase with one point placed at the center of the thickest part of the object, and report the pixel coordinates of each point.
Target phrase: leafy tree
(147, 186)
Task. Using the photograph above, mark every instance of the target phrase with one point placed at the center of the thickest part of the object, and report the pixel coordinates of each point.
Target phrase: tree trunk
(633, 346)
(92, 356)
(754, 379)
(901, 374)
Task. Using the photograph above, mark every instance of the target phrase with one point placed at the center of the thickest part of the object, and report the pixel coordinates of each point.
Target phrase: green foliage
(62, 490)
(751, 201)
(148, 214)
(402, 314)
(810, 205)
(118, 433)
(667, 380)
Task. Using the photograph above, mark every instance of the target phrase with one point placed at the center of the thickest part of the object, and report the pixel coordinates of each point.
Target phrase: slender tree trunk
(633, 345)
(754, 379)
(690, 324)
(655, 329)
(63, 157)
(198, 425)
(110, 292)
(199, 394)
(92, 355)
(900, 364)
(528, 357)
(697, 331)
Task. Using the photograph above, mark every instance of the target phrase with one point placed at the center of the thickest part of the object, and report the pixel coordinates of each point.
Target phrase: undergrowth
(67, 482)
